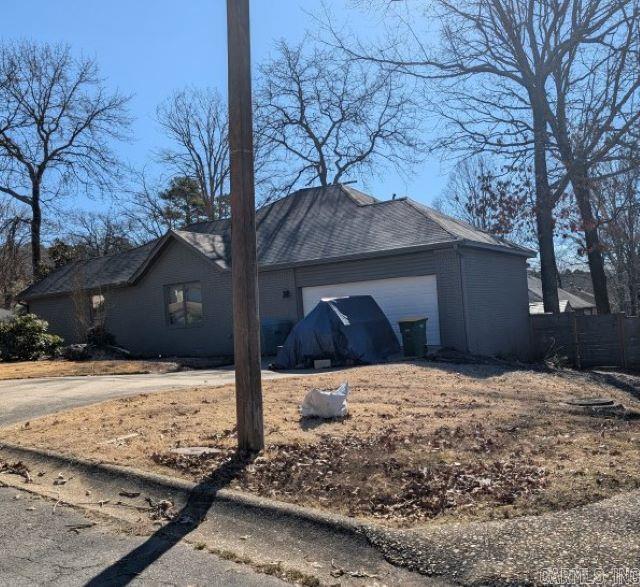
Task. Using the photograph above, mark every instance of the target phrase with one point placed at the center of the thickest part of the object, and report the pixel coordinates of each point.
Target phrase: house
(5, 314)
(569, 302)
(172, 296)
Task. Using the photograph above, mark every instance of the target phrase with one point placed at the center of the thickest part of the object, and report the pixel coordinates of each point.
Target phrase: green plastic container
(414, 336)
(274, 332)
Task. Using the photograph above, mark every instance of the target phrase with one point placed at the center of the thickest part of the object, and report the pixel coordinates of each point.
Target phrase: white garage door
(399, 297)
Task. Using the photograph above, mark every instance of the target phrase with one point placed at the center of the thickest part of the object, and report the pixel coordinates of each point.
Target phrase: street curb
(396, 547)
(108, 474)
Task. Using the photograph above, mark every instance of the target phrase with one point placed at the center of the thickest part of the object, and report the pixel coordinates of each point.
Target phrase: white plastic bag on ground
(325, 404)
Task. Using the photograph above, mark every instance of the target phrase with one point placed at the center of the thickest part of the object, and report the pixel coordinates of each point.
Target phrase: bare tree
(617, 213)
(324, 118)
(489, 88)
(146, 211)
(534, 77)
(98, 234)
(195, 120)
(14, 265)
(57, 122)
(85, 235)
(592, 107)
(493, 198)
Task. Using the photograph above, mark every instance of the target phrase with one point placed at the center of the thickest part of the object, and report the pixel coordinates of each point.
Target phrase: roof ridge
(425, 211)
(348, 191)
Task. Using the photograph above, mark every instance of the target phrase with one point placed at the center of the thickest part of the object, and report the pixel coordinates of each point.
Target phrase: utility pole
(244, 266)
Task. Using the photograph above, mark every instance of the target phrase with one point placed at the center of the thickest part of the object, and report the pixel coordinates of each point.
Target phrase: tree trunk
(633, 298)
(548, 268)
(544, 216)
(632, 281)
(578, 176)
(36, 229)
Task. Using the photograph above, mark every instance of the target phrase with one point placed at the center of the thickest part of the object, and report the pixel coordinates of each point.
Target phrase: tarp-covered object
(349, 329)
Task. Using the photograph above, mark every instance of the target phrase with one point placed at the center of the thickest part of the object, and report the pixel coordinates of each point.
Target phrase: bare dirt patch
(62, 368)
(423, 442)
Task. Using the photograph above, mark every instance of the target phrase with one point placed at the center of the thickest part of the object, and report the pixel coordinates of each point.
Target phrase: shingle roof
(319, 224)
(535, 296)
(111, 270)
(311, 225)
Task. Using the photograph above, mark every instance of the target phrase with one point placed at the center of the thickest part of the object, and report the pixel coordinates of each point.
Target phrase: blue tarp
(346, 330)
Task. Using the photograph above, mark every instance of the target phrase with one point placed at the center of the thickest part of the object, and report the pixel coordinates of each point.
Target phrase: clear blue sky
(150, 48)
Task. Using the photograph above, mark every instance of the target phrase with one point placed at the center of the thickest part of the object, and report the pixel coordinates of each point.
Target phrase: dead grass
(423, 442)
(61, 368)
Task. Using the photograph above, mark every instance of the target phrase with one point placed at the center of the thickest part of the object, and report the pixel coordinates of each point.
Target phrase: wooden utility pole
(246, 323)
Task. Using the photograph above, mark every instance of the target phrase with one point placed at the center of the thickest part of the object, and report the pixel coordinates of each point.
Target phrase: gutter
(522, 252)
(358, 256)
(465, 319)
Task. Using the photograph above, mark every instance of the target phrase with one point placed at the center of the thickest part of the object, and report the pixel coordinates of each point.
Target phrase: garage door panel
(399, 297)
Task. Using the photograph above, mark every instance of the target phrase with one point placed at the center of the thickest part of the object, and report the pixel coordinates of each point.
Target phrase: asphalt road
(25, 399)
(43, 546)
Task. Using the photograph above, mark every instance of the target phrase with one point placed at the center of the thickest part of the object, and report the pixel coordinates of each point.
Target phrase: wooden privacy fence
(611, 340)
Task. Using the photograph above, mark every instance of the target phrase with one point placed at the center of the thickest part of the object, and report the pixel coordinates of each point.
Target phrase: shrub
(76, 352)
(98, 336)
(25, 338)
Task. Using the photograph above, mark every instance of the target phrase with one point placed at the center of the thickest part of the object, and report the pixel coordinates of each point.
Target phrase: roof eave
(510, 250)
(87, 290)
(359, 256)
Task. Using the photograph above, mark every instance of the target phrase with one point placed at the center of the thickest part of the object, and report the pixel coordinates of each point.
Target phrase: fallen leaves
(162, 510)
(16, 468)
(379, 476)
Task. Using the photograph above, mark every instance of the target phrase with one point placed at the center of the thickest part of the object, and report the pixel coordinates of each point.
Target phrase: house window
(184, 304)
(96, 308)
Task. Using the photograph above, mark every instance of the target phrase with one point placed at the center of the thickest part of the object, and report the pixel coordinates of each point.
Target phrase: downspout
(456, 248)
(298, 293)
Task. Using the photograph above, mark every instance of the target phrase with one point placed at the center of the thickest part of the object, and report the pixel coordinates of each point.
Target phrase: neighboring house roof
(535, 297)
(313, 225)
(538, 307)
(579, 283)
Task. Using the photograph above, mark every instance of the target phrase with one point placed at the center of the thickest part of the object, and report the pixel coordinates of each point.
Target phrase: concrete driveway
(25, 399)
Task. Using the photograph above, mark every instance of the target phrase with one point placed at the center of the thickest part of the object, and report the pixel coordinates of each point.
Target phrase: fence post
(621, 337)
(576, 342)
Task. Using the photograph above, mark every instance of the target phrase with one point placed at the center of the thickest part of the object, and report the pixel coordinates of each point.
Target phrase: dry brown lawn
(423, 443)
(61, 368)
